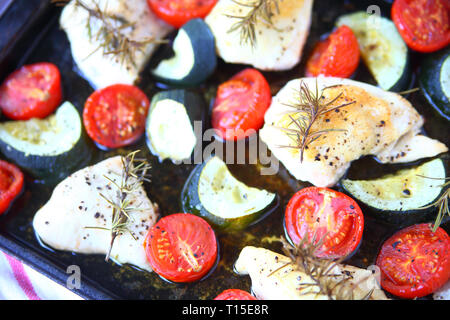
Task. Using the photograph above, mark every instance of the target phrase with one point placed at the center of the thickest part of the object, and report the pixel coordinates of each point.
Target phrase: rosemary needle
(134, 173)
(110, 34)
(260, 10)
(441, 203)
(309, 107)
(320, 270)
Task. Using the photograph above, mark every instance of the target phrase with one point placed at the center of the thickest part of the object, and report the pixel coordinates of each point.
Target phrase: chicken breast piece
(100, 69)
(274, 278)
(68, 221)
(278, 47)
(379, 123)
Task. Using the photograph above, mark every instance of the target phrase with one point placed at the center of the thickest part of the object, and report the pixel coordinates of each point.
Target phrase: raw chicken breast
(103, 70)
(65, 222)
(269, 284)
(378, 123)
(278, 47)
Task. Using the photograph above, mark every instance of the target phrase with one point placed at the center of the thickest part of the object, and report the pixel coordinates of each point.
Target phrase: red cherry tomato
(11, 183)
(326, 214)
(336, 56)
(415, 262)
(178, 12)
(423, 24)
(181, 247)
(115, 116)
(235, 294)
(33, 91)
(240, 105)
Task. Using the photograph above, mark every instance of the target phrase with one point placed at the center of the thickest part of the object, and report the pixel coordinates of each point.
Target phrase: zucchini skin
(397, 217)
(429, 80)
(50, 168)
(404, 81)
(205, 57)
(190, 203)
(195, 106)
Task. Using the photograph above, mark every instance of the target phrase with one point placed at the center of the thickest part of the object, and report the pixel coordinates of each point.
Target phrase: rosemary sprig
(441, 203)
(309, 107)
(110, 34)
(261, 10)
(134, 173)
(320, 270)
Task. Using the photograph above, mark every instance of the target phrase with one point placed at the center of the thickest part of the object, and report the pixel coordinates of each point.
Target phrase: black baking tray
(29, 32)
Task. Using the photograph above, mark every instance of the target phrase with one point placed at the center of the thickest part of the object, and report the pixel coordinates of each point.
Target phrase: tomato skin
(115, 116)
(178, 12)
(235, 294)
(340, 212)
(423, 24)
(240, 105)
(181, 247)
(336, 56)
(32, 91)
(414, 262)
(11, 184)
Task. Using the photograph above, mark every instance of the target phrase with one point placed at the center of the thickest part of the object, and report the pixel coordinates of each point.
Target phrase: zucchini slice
(434, 78)
(213, 193)
(400, 197)
(382, 49)
(170, 127)
(195, 56)
(54, 145)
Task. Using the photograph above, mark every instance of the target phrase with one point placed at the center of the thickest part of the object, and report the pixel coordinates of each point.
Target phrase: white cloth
(20, 282)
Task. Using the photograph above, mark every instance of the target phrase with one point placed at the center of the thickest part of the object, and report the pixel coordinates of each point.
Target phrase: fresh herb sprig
(260, 10)
(307, 109)
(111, 33)
(441, 203)
(135, 171)
(325, 282)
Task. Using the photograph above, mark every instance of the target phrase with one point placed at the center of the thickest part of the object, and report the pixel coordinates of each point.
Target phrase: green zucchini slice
(382, 49)
(434, 78)
(214, 193)
(170, 127)
(195, 56)
(43, 147)
(400, 197)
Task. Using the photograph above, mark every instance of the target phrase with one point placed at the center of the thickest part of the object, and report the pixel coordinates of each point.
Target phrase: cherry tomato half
(336, 56)
(33, 91)
(178, 12)
(423, 24)
(240, 105)
(415, 262)
(328, 215)
(11, 183)
(235, 294)
(115, 116)
(181, 247)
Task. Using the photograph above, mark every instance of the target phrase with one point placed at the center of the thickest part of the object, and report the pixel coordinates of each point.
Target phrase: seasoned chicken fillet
(71, 219)
(272, 279)
(379, 123)
(278, 46)
(103, 70)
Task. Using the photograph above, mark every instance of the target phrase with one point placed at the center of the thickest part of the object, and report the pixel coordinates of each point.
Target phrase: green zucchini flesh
(400, 197)
(195, 56)
(44, 146)
(434, 78)
(382, 49)
(215, 194)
